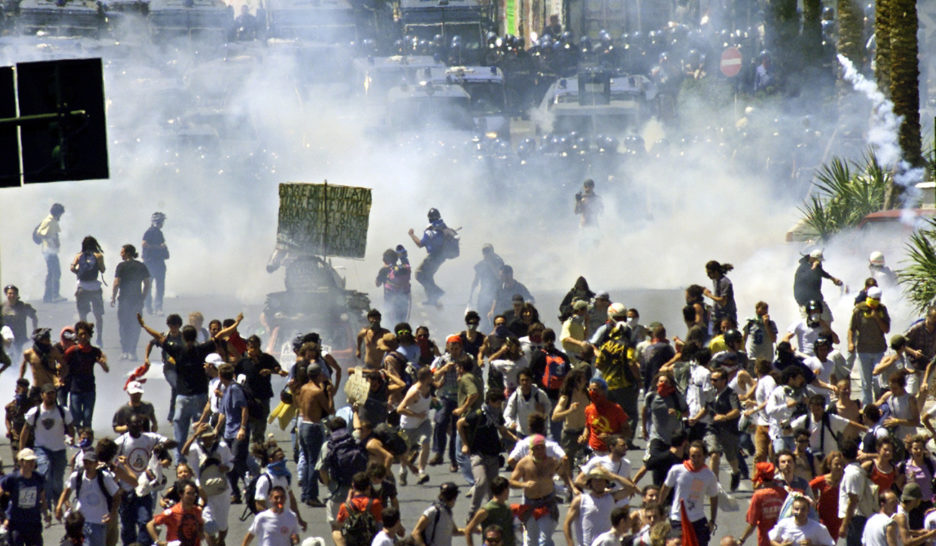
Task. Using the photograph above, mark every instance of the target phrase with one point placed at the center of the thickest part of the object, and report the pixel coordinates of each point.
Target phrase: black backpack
(35, 235)
(390, 438)
(100, 481)
(361, 526)
(87, 267)
(428, 534)
(250, 507)
(344, 458)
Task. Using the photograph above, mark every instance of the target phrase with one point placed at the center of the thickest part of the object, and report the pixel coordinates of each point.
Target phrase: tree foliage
(918, 278)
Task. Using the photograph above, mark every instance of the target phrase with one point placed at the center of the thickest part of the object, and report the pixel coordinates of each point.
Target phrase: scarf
(665, 390)
(279, 470)
(688, 464)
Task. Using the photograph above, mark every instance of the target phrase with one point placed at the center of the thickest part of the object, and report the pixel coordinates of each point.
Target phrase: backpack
(450, 243)
(344, 458)
(361, 526)
(87, 267)
(100, 481)
(390, 438)
(555, 371)
(254, 405)
(35, 235)
(613, 354)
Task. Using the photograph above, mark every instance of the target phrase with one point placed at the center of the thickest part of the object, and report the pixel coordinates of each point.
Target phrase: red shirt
(827, 499)
(609, 418)
(764, 511)
(360, 504)
(186, 527)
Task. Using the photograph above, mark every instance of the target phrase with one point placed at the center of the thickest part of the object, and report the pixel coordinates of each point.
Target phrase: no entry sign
(730, 62)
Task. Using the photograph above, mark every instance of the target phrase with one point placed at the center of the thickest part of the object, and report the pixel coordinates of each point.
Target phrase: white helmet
(876, 258)
(617, 310)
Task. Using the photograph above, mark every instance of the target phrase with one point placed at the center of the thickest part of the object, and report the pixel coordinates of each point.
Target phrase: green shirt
(469, 384)
(499, 514)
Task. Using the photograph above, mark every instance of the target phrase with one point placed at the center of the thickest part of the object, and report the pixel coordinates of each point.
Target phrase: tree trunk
(811, 37)
(882, 39)
(782, 27)
(851, 27)
(905, 77)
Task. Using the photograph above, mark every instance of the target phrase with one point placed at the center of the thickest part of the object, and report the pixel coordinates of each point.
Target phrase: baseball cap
(875, 292)
(448, 490)
(454, 338)
(215, 359)
(911, 492)
(579, 305)
(135, 387)
(816, 254)
(26, 455)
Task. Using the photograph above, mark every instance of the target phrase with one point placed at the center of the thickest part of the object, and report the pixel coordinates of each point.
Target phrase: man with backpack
(134, 449)
(436, 526)
(481, 432)
(345, 456)
(550, 366)
(131, 287)
(46, 427)
(88, 266)
(211, 461)
(359, 518)
(825, 429)
(46, 235)
(155, 254)
(96, 497)
(441, 243)
(618, 367)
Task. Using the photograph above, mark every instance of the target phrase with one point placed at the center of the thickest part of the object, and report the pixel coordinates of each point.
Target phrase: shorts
(417, 437)
(215, 513)
(88, 300)
(724, 443)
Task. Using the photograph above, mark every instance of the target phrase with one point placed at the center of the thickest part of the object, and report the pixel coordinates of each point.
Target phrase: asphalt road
(413, 498)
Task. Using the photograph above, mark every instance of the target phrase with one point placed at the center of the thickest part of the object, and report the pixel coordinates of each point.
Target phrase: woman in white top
(415, 424)
(755, 409)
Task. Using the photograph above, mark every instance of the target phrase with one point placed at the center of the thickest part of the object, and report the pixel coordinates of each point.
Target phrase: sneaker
(453, 467)
(436, 459)
(235, 499)
(423, 478)
(470, 492)
(735, 481)
(403, 477)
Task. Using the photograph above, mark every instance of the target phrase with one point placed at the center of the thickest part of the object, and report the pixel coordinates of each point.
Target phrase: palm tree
(905, 77)
(882, 50)
(918, 278)
(851, 30)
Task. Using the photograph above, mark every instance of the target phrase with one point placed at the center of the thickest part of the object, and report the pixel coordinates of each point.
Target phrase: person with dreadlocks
(88, 265)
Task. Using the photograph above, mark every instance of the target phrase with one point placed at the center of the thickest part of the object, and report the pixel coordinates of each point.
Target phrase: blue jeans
(869, 385)
(189, 408)
(135, 513)
(82, 408)
(539, 531)
(53, 278)
(172, 377)
(157, 270)
(464, 461)
(28, 536)
(239, 470)
(95, 534)
(51, 465)
(311, 438)
(444, 427)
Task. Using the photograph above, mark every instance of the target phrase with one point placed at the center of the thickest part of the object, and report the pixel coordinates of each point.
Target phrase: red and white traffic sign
(730, 62)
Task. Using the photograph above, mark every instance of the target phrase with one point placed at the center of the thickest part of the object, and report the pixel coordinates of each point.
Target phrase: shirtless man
(373, 355)
(539, 511)
(45, 361)
(316, 401)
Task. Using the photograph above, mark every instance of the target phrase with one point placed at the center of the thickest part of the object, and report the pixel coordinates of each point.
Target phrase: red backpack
(555, 371)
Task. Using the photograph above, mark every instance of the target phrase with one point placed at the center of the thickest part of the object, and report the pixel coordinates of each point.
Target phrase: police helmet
(434, 215)
(732, 336)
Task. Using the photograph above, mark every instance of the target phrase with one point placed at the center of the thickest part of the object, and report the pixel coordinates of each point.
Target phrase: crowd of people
(549, 412)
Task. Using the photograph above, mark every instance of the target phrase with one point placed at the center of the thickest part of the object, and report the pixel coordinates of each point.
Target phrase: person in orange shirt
(183, 521)
(766, 503)
(602, 418)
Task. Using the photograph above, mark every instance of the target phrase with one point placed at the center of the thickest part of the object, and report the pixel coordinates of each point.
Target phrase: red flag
(139, 372)
(689, 537)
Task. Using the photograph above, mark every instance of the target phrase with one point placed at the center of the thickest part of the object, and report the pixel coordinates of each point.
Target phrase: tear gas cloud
(725, 193)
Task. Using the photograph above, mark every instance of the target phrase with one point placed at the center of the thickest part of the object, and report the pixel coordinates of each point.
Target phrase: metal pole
(325, 217)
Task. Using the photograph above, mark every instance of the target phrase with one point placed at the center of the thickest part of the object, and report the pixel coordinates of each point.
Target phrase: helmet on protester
(434, 215)
(158, 217)
(732, 336)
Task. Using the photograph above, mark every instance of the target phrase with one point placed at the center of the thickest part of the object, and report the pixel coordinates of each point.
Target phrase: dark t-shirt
(660, 463)
(122, 416)
(190, 366)
(131, 273)
(15, 317)
(259, 385)
(80, 361)
(486, 438)
(153, 238)
(23, 511)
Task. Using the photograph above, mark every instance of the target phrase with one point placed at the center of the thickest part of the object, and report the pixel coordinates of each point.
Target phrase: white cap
(616, 309)
(875, 293)
(816, 254)
(214, 358)
(26, 455)
(135, 387)
(876, 258)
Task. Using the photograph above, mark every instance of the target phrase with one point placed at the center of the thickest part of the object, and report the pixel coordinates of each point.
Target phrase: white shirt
(855, 481)
(272, 529)
(511, 370)
(418, 404)
(91, 502)
(875, 530)
(522, 449)
(137, 451)
(595, 513)
(382, 539)
(213, 399)
(777, 411)
(266, 482)
(765, 385)
(699, 392)
(805, 337)
(48, 427)
(518, 410)
(221, 451)
(621, 468)
(607, 539)
(786, 530)
(819, 433)
(692, 488)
